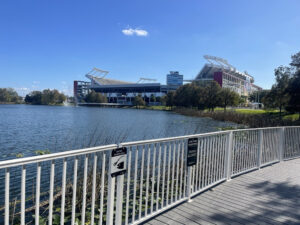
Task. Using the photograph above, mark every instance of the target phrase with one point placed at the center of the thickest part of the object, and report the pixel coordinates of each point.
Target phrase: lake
(25, 129)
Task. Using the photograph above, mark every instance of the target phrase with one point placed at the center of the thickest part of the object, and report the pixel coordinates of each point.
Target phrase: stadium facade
(227, 76)
(122, 92)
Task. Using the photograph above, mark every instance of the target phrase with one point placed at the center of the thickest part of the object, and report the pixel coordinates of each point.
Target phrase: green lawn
(274, 112)
(255, 111)
(158, 107)
(248, 111)
(291, 117)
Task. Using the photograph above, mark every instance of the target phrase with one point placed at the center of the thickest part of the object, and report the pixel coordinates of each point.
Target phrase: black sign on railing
(118, 161)
(192, 151)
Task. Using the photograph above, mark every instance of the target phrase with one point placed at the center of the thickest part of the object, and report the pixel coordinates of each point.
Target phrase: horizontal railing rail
(131, 182)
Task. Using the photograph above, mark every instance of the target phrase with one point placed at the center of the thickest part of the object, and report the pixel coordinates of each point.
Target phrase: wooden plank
(267, 196)
(253, 207)
(245, 210)
(184, 220)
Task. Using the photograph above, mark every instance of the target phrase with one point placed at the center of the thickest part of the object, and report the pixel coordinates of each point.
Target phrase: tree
(56, 97)
(163, 100)
(294, 86)
(152, 98)
(268, 99)
(9, 95)
(4, 97)
(212, 95)
(46, 97)
(170, 99)
(100, 98)
(228, 98)
(258, 96)
(90, 97)
(187, 95)
(182, 96)
(159, 99)
(201, 95)
(61, 98)
(296, 61)
(138, 101)
(34, 98)
(95, 97)
(278, 95)
(294, 93)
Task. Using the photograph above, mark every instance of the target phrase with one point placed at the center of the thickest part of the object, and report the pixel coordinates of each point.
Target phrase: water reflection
(25, 129)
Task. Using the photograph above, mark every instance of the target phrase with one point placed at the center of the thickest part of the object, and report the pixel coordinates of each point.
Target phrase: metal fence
(77, 187)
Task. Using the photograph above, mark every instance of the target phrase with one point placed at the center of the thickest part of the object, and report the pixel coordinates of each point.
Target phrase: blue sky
(48, 44)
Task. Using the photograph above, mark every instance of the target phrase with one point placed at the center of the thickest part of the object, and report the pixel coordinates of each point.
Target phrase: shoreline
(250, 118)
(245, 117)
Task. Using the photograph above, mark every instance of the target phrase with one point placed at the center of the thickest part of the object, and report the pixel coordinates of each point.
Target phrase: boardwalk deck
(267, 196)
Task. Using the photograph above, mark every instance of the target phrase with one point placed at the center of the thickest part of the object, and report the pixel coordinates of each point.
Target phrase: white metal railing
(76, 186)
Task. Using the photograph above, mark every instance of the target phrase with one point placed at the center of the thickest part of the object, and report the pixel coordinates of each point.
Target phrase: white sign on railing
(118, 161)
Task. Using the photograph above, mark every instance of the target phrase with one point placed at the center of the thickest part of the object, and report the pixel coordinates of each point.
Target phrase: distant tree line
(285, 93)
(45, 97)
(9, 95)
(202, 95)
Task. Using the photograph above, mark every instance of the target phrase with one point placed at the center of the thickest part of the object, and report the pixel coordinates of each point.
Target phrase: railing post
(117, 169)
(189, 183)
(228, 168)
(260, 146)
(7, 176)
(119, 202)
(281, 144)
(111, 196)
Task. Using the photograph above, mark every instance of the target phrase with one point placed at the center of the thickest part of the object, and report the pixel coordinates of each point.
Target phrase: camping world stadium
(122, 92)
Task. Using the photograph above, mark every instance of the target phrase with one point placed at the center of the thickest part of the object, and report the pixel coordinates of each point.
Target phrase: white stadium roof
(218, 64)
(105, 81)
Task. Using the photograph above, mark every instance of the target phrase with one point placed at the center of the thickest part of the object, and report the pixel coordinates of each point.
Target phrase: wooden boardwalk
(267, 196)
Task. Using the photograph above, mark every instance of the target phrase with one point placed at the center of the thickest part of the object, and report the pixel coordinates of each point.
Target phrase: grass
(274, 112)
(249, 111)
(292, 117)
(153, 107)
(256, 111)
(159, 107)
(286, 116)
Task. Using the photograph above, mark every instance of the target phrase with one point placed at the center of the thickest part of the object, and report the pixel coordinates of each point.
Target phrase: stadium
(122, 92)
(227, 76)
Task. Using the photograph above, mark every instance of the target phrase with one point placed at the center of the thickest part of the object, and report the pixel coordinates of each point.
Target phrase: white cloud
(141, 32)
(136, 31)
(128, 31)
